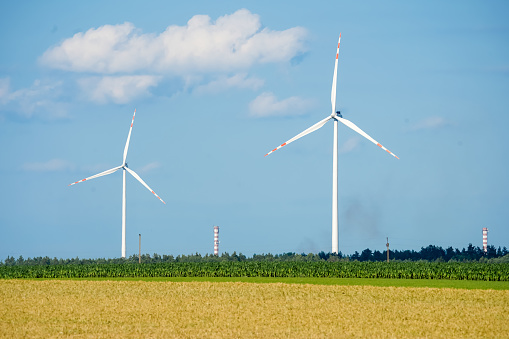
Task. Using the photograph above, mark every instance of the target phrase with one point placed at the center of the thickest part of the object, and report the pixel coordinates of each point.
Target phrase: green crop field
(395, 270)
(167, 309)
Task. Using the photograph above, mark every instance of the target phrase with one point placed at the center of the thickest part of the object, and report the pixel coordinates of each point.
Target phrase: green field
(462, 284)
(395, 270)
(203, 309)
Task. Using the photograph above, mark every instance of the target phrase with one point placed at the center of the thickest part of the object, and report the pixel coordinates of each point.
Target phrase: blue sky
(218, 85)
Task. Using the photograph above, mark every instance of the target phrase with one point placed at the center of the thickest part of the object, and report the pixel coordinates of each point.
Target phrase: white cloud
(149, 167)
(4, 90)
(53, 165)
(349, 145)
(236, 81)
(266, 104)
(122, 63)
(117, 89)
(430, 123)
(40, 99)
(232, 42)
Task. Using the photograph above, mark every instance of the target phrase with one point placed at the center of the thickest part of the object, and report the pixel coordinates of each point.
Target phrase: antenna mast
(387, 249)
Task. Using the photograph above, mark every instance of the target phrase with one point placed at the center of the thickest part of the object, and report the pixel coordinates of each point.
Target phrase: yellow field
(103, 309)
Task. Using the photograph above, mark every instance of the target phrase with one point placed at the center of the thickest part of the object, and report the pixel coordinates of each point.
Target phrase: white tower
(485, 239)
(216, 240)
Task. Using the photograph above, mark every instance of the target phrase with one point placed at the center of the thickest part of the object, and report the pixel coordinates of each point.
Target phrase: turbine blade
(133, 173)
(364, 134)
(300, 135)
(334, 81)
(98, 175)
(128, 138)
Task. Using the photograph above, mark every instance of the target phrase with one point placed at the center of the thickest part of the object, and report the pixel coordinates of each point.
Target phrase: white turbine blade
(98, 175)
(128, 138)
(133, 173)
(300, 135)
(364, 134)
(334, 81)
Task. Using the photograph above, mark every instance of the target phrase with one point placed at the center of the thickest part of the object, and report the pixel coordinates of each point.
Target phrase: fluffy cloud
(52, 165)
(349, 145)
(120, 89)
(149, 167)
(232, 42)
(235, 81)
(38, 100)
(430, 123)
(122, 63)
(4, 90)
(266, 104)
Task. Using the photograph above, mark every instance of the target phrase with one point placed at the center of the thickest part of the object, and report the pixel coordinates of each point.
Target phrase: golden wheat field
(106, 309)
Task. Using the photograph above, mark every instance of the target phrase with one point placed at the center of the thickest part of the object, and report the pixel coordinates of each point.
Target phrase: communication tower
(485, 239)
(216, 240)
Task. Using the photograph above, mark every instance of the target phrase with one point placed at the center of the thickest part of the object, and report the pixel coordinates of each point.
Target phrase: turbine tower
(335, 116)
(124, 169)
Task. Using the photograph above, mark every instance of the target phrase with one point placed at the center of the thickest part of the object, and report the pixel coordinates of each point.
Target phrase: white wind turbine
(335, 116)
(124, 168)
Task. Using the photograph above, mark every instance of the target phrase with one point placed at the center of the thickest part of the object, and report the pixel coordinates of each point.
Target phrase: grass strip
(424, 283)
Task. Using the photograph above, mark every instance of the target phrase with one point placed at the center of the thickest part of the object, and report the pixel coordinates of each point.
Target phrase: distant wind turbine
(124, 168)
(335, 116)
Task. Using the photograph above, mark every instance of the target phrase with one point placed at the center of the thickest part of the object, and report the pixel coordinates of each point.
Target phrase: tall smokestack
(485, 239)
(216, 240)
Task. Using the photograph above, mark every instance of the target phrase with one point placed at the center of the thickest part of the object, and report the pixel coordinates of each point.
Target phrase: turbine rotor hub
(336, 115)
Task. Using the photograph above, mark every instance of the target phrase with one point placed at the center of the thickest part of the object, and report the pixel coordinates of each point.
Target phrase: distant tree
(355, 256)
(145, 258)
(429, 253)
(449, 253)
(10, 261)
(323, 255)
(260, 257)
(312, 257)
(20, 260)
(504, 259)
(379, 256)
(234, 257)
(366, 255)
(491, 252)
(404, 255)
(432, 253)
(156, 258)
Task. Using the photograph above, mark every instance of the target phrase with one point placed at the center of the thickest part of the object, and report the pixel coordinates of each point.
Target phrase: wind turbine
(124, 168)
(335, 116)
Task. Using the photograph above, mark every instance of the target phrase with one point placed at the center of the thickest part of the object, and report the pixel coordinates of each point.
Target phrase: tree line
(429, 253)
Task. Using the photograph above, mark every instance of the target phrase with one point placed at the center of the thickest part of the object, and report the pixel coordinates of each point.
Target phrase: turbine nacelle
(336, 115)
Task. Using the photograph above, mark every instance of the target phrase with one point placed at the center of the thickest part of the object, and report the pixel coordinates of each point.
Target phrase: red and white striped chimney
(216, 240)
(485, 239)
